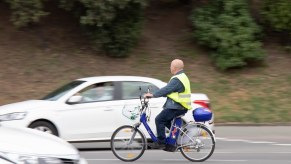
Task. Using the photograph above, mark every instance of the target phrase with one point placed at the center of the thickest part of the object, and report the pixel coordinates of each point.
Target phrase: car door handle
(108, 109)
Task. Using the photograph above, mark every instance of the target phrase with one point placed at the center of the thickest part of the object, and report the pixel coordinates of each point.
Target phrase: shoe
(156, 145)
(170, 148)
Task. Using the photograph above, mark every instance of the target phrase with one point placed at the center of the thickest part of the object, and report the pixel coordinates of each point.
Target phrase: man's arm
(175, 85)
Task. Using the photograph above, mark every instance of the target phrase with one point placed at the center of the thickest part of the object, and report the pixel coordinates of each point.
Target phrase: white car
(32, 147)
(78, 113)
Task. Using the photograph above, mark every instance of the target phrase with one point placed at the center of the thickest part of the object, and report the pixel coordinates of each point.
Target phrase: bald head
(176, 66)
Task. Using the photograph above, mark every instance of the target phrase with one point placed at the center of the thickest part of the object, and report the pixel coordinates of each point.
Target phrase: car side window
(97, 92)
(130, 89)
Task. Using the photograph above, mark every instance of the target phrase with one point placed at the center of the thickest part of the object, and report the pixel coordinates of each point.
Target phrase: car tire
(44, 127)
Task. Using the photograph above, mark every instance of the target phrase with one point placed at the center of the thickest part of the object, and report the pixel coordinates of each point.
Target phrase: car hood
(29, 141)
(26, 105)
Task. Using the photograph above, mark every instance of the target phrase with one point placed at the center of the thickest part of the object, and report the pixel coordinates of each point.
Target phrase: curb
(253, 124)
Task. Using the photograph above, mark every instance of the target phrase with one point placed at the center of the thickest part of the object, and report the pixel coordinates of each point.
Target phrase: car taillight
(203, 103)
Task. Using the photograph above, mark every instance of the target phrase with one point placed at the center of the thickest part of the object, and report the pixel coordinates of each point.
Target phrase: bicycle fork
(134, 133)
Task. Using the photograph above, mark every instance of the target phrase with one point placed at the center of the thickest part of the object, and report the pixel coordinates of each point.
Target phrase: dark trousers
(164, 120)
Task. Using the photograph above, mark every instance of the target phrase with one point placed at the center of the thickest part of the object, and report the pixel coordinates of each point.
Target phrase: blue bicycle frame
(174, 132)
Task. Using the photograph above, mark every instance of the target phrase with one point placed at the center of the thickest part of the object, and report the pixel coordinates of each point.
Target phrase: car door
(90, 119)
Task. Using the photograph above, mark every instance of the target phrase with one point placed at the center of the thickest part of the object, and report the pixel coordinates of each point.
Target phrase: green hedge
(277, 17)
(116, 33)
(26, 11)
(228, 29)
(113, 25)
(278, 14)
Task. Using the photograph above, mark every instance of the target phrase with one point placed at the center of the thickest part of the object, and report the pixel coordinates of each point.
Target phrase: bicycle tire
(123, 150)
(198, 142)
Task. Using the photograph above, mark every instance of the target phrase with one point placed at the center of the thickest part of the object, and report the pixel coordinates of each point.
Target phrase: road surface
(235, 145)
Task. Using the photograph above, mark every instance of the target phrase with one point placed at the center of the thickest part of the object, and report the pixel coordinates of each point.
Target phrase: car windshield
(55, 95)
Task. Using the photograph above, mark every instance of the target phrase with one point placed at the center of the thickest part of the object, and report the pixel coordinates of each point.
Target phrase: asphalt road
(235, 145)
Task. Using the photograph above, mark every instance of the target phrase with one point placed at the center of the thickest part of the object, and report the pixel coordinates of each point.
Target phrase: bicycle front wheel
(128, 144)
(197, 142)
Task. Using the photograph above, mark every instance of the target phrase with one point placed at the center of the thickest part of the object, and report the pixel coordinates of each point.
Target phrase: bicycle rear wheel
(128, 144)
(197, 142)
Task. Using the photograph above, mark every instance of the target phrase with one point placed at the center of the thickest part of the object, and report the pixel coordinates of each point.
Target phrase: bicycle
(194, 140)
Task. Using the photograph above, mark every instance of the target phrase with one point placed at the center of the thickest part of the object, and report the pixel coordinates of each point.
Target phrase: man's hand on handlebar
(148, 95)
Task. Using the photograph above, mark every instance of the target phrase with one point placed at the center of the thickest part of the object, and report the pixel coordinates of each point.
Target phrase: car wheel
(44, 127)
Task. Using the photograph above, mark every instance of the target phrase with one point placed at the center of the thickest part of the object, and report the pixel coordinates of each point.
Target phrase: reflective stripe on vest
(183, 98)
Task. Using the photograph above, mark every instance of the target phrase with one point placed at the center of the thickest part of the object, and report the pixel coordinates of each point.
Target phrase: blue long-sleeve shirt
(174, 85)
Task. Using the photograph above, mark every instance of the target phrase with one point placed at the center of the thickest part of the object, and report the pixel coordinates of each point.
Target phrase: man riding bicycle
(178, 93)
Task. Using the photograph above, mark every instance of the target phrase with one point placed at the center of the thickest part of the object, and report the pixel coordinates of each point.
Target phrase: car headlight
(13, 116)
(31, 159)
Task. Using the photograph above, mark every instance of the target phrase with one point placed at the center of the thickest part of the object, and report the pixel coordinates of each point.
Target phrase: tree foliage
(25, 12)
(278, 14)
(114, 25)
(227, 28)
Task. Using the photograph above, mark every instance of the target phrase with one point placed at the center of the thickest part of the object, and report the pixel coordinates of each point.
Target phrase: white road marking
(282, 144)
(263, 142)
(217, 152)
(246, 141)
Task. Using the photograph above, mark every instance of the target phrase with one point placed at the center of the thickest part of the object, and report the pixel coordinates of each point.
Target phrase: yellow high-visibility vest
(184, 98)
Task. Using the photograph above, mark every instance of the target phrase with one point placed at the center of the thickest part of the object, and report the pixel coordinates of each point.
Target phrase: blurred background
(237, 52)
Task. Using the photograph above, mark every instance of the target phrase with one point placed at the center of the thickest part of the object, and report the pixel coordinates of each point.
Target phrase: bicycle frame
(143, 120)
(174, 130)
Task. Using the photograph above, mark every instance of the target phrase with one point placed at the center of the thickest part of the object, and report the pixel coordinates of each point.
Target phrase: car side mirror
(74, 99)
